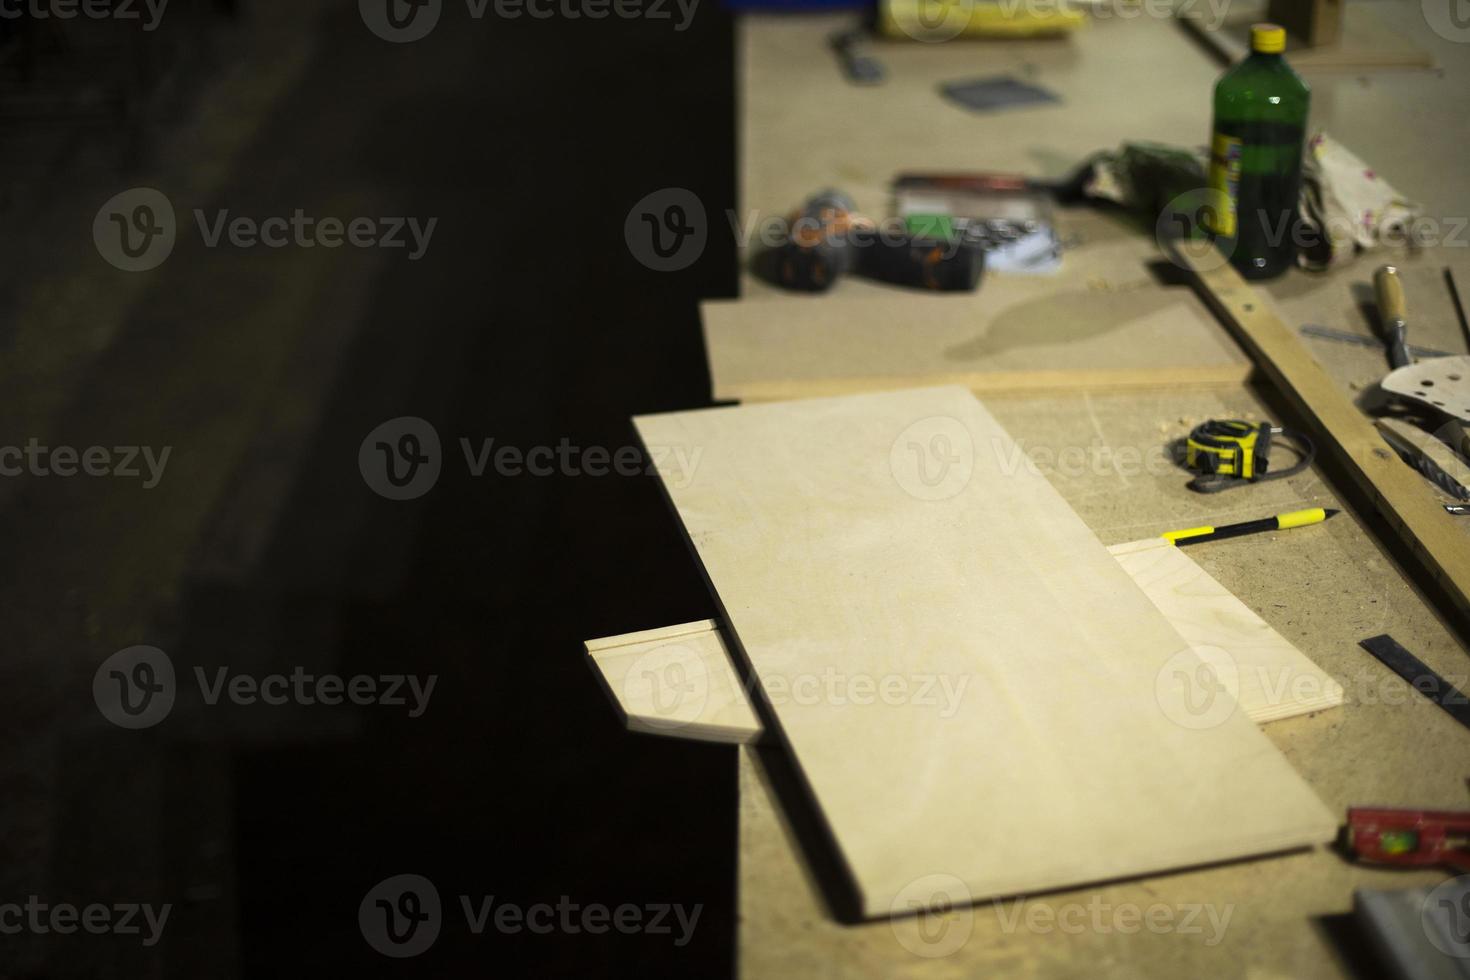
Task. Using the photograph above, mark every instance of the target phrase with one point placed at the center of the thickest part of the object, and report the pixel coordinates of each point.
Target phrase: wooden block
(1314, 23)
(1339, 427)
(680, 681)
(1355, 40)
(1036, 726)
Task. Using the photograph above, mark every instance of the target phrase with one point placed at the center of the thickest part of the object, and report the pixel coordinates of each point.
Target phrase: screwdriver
(1393, 310)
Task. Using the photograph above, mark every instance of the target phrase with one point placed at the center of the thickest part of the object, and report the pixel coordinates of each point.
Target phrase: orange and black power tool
(828, 239)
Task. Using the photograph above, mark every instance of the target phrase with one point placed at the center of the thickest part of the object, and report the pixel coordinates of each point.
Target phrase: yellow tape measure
(1229, 453)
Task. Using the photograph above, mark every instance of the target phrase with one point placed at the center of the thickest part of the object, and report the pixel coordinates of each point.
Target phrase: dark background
(528, 320)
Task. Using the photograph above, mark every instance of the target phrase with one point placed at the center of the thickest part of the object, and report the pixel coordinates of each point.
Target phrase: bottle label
(1225, 181)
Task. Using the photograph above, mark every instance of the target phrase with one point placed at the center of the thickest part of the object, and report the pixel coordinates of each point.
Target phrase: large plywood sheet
(886, 544)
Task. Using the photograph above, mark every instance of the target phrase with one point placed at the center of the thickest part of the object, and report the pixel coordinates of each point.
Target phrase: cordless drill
(829, 238)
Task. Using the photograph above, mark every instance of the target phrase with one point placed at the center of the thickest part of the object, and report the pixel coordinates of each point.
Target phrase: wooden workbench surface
(1323, 588)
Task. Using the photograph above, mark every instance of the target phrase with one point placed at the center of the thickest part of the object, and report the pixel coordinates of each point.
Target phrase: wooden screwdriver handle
(1393, 310)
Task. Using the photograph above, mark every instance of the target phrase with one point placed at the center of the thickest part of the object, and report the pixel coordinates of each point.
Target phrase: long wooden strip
(679, 681)
(994, 382)
(1017, 334)
(1340, 428)
(1009, 709)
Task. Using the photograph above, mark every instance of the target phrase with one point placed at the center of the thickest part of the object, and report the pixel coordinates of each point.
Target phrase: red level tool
(1414, 838)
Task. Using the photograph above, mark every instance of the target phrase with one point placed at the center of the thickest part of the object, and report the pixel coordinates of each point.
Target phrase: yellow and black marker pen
(1297, 518)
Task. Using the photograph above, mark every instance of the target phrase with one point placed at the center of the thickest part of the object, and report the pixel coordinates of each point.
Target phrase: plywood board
(679, 681)
(1037, 727)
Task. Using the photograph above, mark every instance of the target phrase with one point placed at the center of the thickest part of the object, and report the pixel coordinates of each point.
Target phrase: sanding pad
(1441, 382)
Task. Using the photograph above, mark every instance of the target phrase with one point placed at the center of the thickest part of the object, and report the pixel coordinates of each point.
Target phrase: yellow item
(1268, 38)
(940, 20)
(1219, 214)
(1281, 522)
(1229, 447)
(1301, 518)
(1189, 532)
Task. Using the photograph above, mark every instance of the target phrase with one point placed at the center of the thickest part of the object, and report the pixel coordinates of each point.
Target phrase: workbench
(1141, 78)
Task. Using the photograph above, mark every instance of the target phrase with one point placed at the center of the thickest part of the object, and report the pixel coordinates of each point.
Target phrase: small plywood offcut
(677, 680)
(1269, 677)
(1052, 736)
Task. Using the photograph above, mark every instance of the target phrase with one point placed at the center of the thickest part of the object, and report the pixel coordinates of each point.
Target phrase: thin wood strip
(990, 383)
(666, 633)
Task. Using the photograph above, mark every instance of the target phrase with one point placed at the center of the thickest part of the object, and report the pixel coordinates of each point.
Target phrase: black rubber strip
(1420, 676)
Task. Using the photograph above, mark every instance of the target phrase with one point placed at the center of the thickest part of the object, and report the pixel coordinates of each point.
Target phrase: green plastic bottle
(1256, 158)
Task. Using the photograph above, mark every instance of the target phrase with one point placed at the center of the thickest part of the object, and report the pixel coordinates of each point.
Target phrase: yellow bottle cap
(1268, 38)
